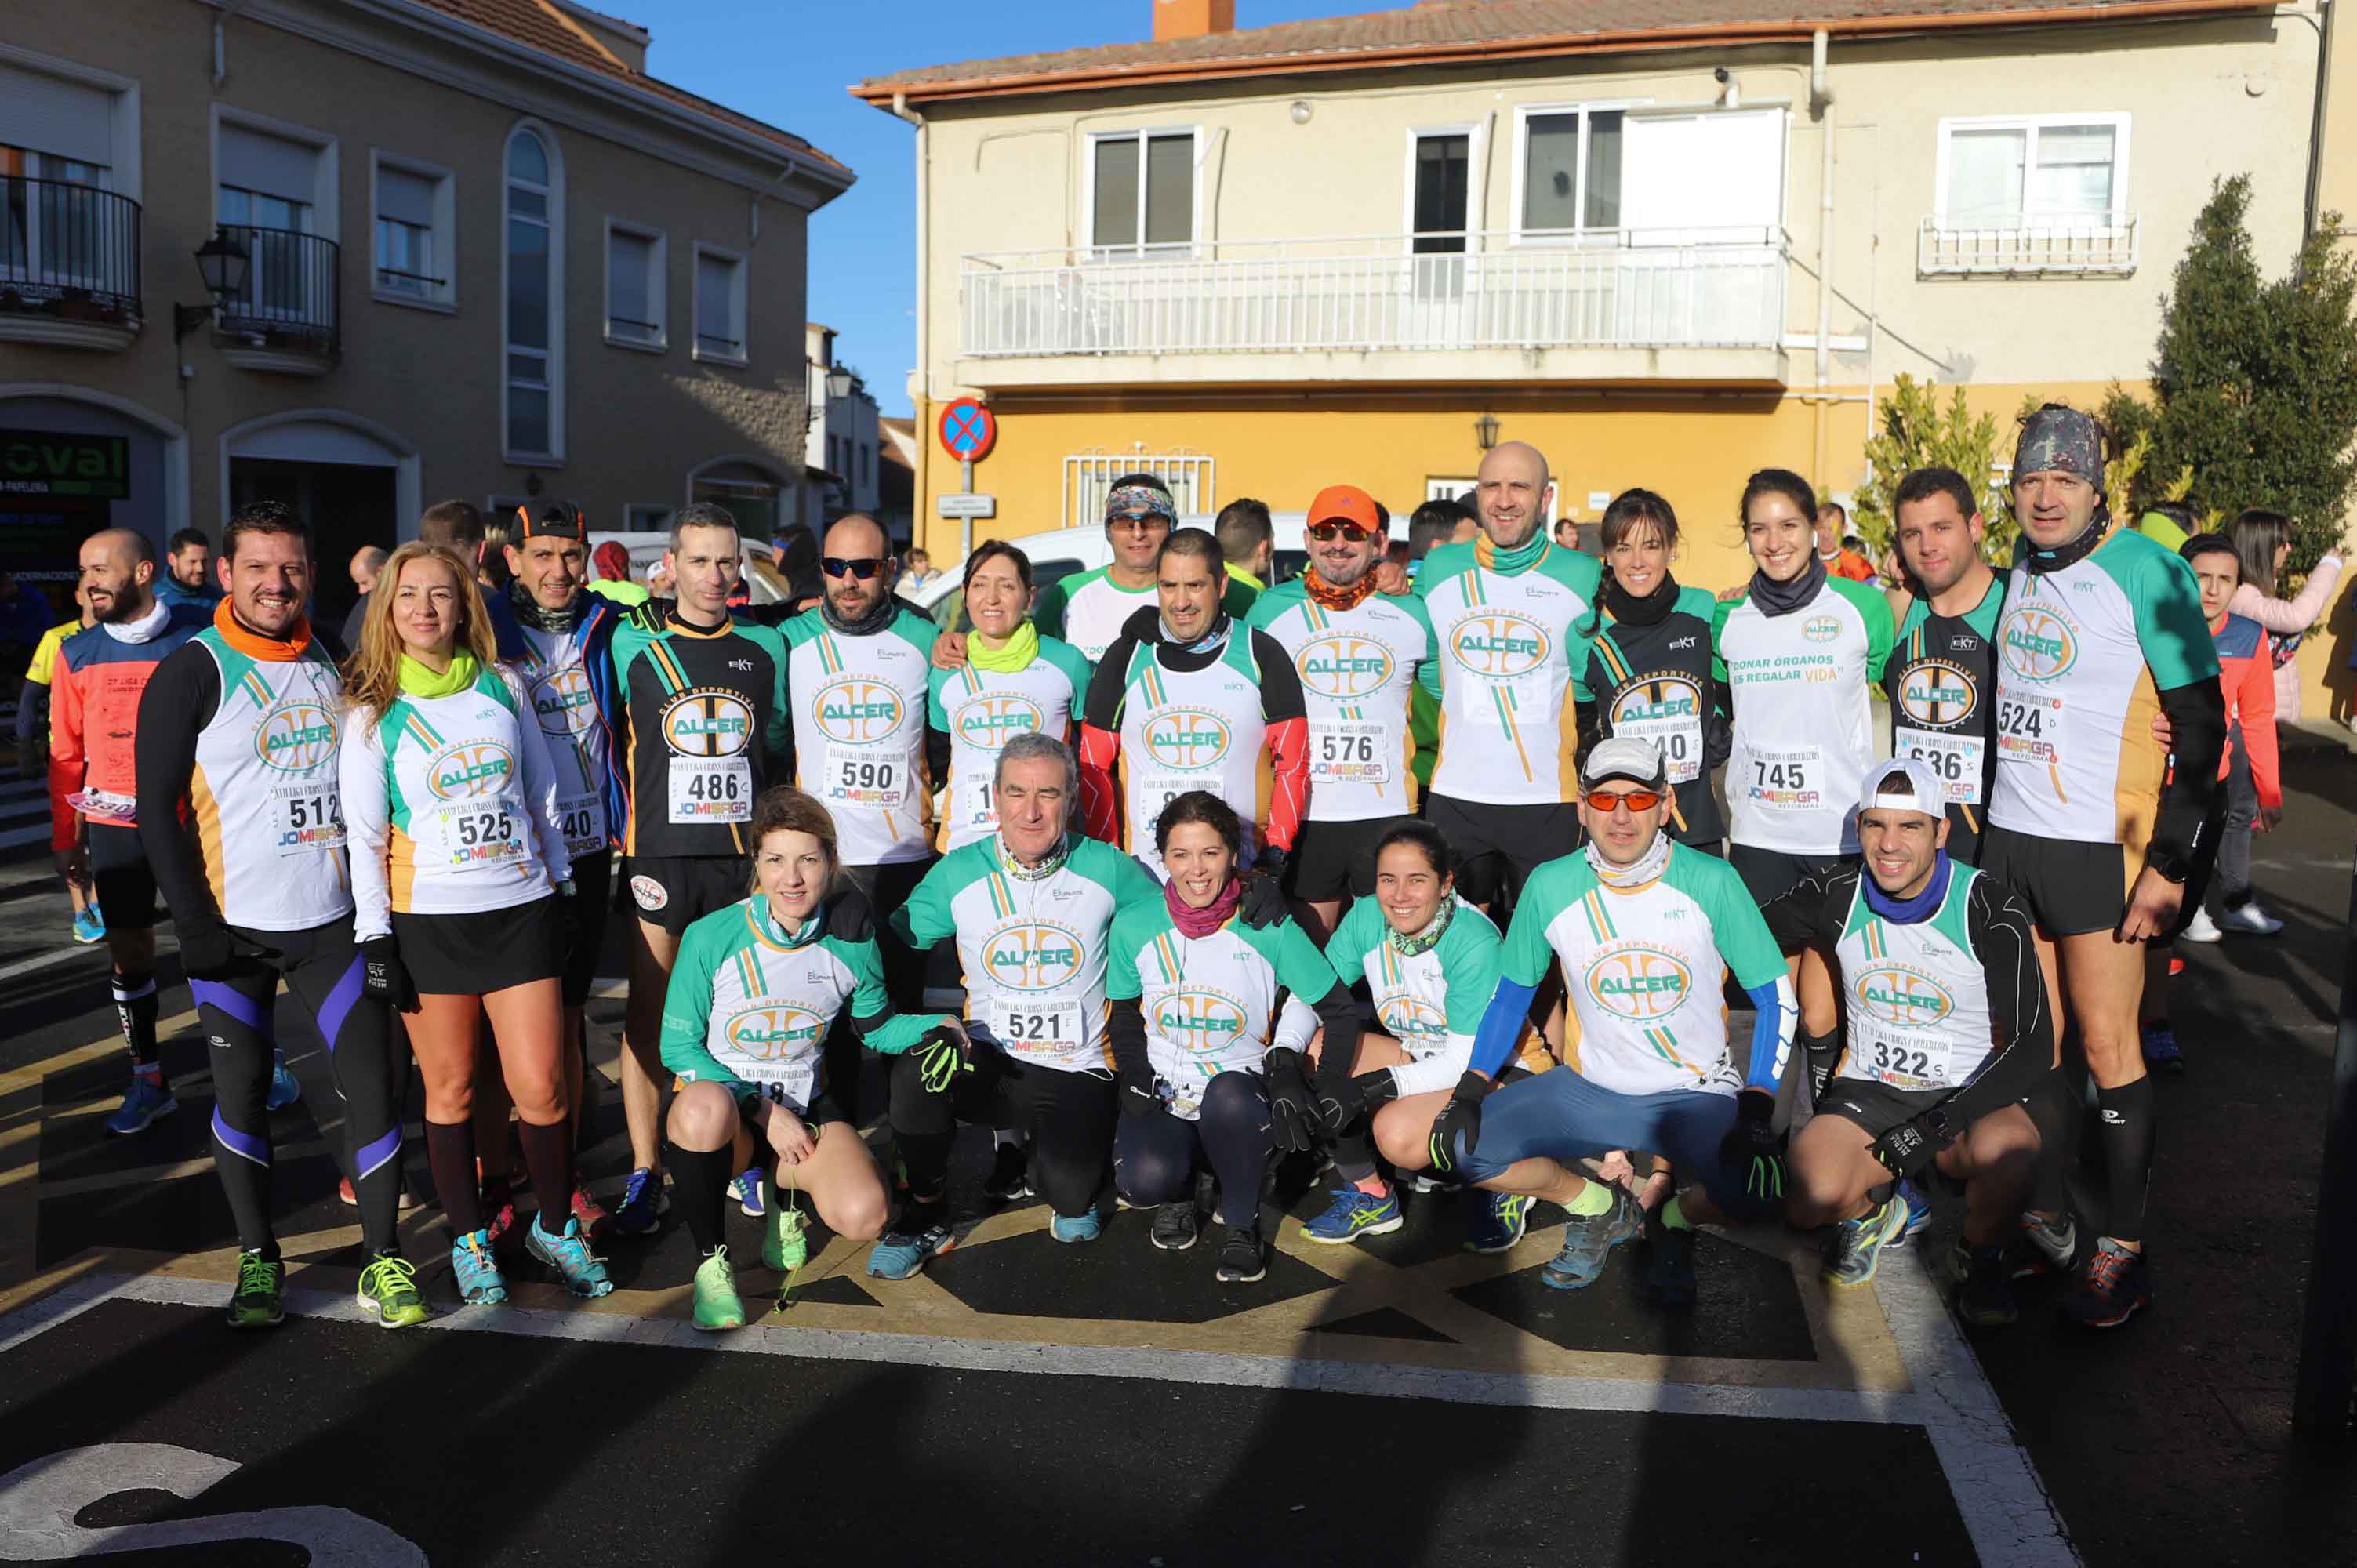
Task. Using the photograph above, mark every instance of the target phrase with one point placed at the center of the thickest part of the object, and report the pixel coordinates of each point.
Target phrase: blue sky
(789, 62)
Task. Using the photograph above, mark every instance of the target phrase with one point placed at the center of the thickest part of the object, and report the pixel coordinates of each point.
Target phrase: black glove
(653, 615)
(1271, 863)
(384, 978)
(1339, 1099)
(209, 952)
(1292, 1116)
(940, 1058)
(1461, 1119)
(1753, 1147)
(1376, 1089)
(1138, 1095)
(1263, 904)
(1906, 1149)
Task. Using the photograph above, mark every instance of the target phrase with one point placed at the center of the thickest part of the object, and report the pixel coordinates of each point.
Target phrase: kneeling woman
(754, 990)
(1193, 992)
(460, 882)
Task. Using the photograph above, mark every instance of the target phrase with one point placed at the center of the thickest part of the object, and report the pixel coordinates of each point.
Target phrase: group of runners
(1208, 917)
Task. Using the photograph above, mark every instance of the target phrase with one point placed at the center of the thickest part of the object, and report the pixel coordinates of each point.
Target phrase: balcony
(1697, 304)
(287, 316)
(2026, 249)
(68, 265)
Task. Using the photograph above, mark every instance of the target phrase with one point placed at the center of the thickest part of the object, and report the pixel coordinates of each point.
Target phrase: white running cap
(1622, 757)
(1923, 789)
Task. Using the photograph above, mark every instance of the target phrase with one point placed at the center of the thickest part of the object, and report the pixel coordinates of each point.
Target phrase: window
(1571, 172)
(274, 195)
(533, 349)
(647, 516)
(416, 254)
(1439, 194)
(2054, 171)
(50, 233)
(1141, 191)
(634, 286)
(719, 305)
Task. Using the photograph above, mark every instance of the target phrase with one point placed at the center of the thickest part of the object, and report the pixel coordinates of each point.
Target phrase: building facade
(474, 250)
(843, 461)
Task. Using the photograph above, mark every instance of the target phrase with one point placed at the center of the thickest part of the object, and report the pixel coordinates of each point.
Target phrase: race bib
(789, 1084)
(307, 819)
(973, 808)
(104, 806)
(1155, 790)
(2029, 729)
(585, 831)
(1913, 1065)
(1045, 1028)
(1678, 739)
(1954, 759)
(480, 835)
(1507, 705)
(1792, 780)
(711, 790)
(1349, 751)
(867, 780)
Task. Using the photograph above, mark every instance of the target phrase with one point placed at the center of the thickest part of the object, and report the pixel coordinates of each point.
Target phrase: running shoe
(717, 1306)
(1241, 1259)
(644, 1203)
(1176, 1226)
(1854, 1251)
(146, 1103)
(1984, 1296)
(594, 1221)
(2201, 928)
(87, 928)
(1669, 1268)
(2249, 920)
(258, 1300)
(570, 1256)
(389, 1289)
(2044, 1247)
(284, 1091)
(2111, 1286)
(899, 1254)
(2160, 1052)
(1010, 1175)
(1353, 1214)
(1919, 1214)
(785, 1246)
(747, 1184)
(1499, 1223)
(475, 1271)
(1588, 1240)
(1073, 1228)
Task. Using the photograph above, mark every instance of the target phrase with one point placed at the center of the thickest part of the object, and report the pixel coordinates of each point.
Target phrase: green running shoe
(784, 1247)
(258, 1301)
(717, 1304)
(389, 1289)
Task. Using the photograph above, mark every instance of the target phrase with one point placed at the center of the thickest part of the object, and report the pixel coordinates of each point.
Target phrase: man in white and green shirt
(1088, 609)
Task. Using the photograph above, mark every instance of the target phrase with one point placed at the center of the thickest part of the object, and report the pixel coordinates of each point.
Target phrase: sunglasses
(1326, 531)
(1635, 800)
(862, 567)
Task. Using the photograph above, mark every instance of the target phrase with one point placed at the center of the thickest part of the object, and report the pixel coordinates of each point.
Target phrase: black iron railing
(68, 250)
(292, 293)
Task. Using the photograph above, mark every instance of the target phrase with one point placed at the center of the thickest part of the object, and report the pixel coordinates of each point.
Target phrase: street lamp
(221, 262)
(1485, 431)
(838, 384)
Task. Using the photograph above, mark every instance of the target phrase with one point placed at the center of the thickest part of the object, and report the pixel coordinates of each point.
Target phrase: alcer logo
(1658, 697)
(858, 710)
(1821, 629)
(1903, 996)
(1035, 955)
(1637, 982)
(991, 722)
(706, 723)
(1499, 642)
(1938, 694)
(1408, 1016)
(296, 737)
(1202, 1022)
(2038, 643)
(463, 772)
(1186, 737)
(774, 1032)
(1344, 665)
(562, 701)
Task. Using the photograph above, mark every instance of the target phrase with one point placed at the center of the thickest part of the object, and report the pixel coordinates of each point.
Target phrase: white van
(758, 561)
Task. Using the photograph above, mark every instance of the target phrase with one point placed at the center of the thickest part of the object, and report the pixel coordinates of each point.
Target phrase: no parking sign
(968, 430)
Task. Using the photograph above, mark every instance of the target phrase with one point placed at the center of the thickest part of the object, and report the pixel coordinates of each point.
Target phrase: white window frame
(659, 286)
(124, 173)
(1194, 243)
(1520, 172)
(554, 457)
(443, 298)
(326, 210)
(2117, 120)
(737, 305)
(1474, 210)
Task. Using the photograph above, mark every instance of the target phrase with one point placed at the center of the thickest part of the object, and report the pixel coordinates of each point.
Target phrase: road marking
(26, 966)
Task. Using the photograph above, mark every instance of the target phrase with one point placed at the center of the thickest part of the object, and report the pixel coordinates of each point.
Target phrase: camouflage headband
(1131, 500)
(2061, 440)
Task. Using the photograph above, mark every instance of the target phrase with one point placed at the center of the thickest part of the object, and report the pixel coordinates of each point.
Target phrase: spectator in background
(797, 565)
(1567, 533)
(25, 616)
(2262, 540)
(455, 523)
(2253, 783)
(492, 552)
(188, 578)
(1834, 550)
(2169, 524)
(1438, 521)
(33, 753)
(1248, 540)
(613, 579)
(367, 562)
(918, 569)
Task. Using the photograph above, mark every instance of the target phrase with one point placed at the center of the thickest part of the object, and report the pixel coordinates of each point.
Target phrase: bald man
(367, 562)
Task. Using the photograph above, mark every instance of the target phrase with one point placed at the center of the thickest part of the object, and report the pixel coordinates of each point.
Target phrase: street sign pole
(2321, 1399)
(966, 525)
(967, 431)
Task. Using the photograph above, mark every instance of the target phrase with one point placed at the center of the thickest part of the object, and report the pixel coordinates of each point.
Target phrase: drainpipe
(2316, 122)
(1821, 99)
(923, 389)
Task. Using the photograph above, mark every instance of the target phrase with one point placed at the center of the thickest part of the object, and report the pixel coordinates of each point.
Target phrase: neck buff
(528, 613)
(1782, 599)
(142, 629)
(868, 625)
(2041, 562)
(1423, 941)
(775, 929)
(1510, 562)
(1647, 868)
(1203, 647)
(1907, 912)
(417, 680)
(1332, 598)
(1048, 867)
(260, 644)
(1194, 922)
(1629, 610)
(1021, 647)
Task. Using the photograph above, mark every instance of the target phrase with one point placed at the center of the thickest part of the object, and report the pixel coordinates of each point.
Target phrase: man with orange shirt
(1833, 520)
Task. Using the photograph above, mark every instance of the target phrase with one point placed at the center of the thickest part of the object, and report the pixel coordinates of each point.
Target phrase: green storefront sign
(50, 462)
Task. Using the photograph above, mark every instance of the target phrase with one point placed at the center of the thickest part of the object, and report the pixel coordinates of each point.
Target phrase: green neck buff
(1022, 646)
(417, 680)
(1511, 563)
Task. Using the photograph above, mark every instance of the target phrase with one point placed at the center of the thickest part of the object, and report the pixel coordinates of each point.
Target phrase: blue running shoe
(899, 1254)
(476, 1272)
(1588, 1240)
(1075, 1229)
(1499, 1223)
(643, 1204)
(1918, 1215)
(146, 1103)
(1353, 1214)
(748, 1193)
(284, 1091)
(87, 928)
(568, 1253)
(2160, 1052)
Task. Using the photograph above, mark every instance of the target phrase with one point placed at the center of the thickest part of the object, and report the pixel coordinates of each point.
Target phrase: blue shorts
(1559, 1115)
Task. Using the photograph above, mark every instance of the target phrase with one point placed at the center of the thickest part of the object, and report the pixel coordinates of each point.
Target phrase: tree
(1917, 433)
(2253, 382)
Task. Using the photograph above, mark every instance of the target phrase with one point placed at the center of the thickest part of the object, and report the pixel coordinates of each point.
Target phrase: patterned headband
(1131, 500)
(2061, 440)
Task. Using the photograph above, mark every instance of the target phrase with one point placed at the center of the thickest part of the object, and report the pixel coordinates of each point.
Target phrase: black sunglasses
(862, 567)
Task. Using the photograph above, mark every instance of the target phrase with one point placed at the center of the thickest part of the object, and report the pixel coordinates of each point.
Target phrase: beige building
(1667, 243)
(474, 247)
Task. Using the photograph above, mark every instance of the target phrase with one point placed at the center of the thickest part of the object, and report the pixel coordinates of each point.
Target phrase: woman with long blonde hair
(459, 882)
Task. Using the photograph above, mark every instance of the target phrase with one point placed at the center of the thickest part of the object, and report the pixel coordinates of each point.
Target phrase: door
(1439, 207)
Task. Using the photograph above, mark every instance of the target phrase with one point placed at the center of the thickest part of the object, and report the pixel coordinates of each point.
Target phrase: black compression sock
(2053, 1109)
(702, 1178)
(1824, 1050)
(451, 1153)
(2128, 1120)
(1354, 1156)
(134, 1008)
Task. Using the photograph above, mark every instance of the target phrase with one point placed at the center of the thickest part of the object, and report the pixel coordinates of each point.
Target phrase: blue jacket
(593, 633)
(169, 589)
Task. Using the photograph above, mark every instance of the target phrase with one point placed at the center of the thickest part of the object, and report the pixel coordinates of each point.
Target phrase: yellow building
(1666, 244)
